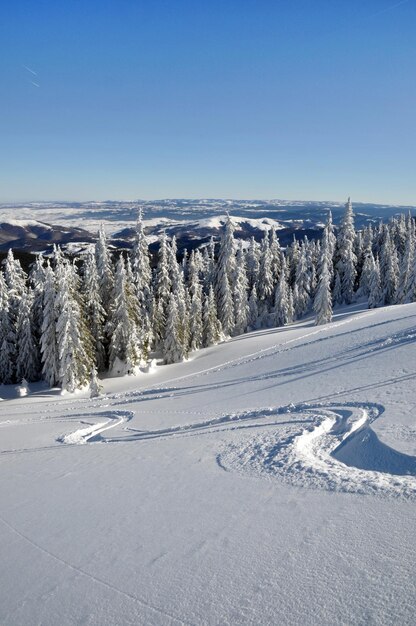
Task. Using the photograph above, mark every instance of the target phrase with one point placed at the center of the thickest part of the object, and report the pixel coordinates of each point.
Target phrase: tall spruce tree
(346, 260)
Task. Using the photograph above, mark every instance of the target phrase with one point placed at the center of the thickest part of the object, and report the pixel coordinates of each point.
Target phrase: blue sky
(301, 99)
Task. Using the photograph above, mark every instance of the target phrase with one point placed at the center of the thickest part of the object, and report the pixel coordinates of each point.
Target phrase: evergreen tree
(105, 269)
(337, 296)
(7, 336)
(162, 290)
(302, 284)
(212, 331)
(124, 344)
(265, 282)
(282, 313)
(407, 267)
(253, 265)
(323, 302)
(75, 362)
(275, 256)
(28, 357)
(253, 311)
(225, 273)
(173, 349)
(94, 311)
(241, 309)
(48, 343)
(346, 259)
(366, 272)
(375, 295)
(389, 271)
(142, 274)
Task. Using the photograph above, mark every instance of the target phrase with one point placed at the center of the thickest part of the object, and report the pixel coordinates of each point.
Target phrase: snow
(23, 223)
(269, 480)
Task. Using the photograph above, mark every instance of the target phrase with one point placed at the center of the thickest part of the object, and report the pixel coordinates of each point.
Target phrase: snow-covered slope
(269, 480)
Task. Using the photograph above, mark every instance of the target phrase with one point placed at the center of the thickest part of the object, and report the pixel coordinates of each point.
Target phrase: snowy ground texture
(269, 480)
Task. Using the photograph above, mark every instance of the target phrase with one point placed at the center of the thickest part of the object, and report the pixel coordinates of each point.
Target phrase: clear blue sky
(301, 99)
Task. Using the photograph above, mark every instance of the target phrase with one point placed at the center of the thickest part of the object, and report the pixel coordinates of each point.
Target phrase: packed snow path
(269, 480)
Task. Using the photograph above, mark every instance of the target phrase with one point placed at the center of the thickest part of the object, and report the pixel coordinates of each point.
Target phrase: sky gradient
(294, 99)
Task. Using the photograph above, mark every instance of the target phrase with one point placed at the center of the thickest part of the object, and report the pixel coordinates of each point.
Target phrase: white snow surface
(267, 480)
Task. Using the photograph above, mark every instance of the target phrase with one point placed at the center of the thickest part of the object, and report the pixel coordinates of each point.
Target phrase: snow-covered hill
(269, 480)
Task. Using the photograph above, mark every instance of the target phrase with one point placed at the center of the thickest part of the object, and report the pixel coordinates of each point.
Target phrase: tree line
(62, 324)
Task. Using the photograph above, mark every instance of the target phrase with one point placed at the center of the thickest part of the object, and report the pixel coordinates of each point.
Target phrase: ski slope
(268, 480)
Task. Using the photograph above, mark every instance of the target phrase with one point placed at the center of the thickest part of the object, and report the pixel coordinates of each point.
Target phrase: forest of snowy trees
(65, 322)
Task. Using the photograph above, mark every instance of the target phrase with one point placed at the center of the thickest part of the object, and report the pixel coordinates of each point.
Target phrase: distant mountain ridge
(36, 226)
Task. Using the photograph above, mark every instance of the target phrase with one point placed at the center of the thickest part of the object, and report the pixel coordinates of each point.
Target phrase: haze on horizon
(234, 100)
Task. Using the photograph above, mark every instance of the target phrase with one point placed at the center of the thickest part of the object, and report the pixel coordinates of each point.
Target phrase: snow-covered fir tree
(282, 307)
(211, 331)
(28, 355)
(124, 351)
(74, 357)
(346, 260)
(94, 310)
(48, 342)
(322, 304)
(241, 309)
(173, 348)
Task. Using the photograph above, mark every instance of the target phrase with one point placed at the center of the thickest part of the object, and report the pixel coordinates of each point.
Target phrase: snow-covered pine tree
(212, 331)
(15, 279)
(367, 269)
(209, 268)
(173, 348)
(94, 311)
(411, 282)
(337, 297)
(241, 309)
(124, 353)
(291, 307)
(105, 269)
(195, 317)
(345, 258)
(253, 264)
(142, 274)
(375, 295)
(28, 356)
(265, 283)
(322, 304)
(389, 270)
(302, 283)
(275, 256)
(7, 336)
(331, 242)
(406, 266)
(224, 279)
(292, 260)
(162, 291)
(282, 313)
(253, 310)
(48, 344)
(183, 303)
(36, 282)
(195, 313)
(75, 362)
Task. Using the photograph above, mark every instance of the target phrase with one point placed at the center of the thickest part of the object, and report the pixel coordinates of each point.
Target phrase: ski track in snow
(330, 447)
(93, 432)
(338, 450)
